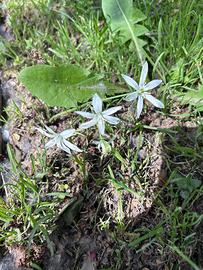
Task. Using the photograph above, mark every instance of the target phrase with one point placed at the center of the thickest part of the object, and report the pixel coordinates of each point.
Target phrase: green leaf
(60, 195)
(186, 185)
(194, 97)
(64, 86)
(12, 158)
(123, 18)
(156, 232)
(70, 211)
(177, 72)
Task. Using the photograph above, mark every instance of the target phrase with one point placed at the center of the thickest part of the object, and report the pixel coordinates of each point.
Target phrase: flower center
(99, 116)
(141, 90)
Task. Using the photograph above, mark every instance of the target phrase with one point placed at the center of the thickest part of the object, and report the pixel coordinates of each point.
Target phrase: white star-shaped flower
(142, 90)
(99, 117)
(59, 139)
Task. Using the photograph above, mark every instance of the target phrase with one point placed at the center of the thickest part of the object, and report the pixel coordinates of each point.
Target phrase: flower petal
(97, 103)
(71, 146)
(101, 126)
(143, 75)
(85, 114)
(50, 143)
(131, 97)
(154, 101)
(67, 133)
(62, 146)
(50, 130)
(43, 132)
(153, 84)
(111, 110)
(112, 120)
(139, 106)
(88, 124)
(130, 82)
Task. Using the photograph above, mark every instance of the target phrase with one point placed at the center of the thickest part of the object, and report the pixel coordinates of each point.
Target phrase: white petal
(97, 103)
(154, 101)
(50, 130)
(153, 84)
(62, 146)
(143, 75)
(43, 132)
(112, 120)
(88, 124)
(85, 114)
(50, 143)
(139, 106)
(130, 82)
(111, 110)
(101, 126)
(67, 133)
(71, 146)
(131, 97)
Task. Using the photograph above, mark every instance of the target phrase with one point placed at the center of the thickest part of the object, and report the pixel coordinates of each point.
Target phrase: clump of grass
(26, 213)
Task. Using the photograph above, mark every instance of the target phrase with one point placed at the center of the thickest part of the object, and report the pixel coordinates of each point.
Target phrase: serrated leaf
(64, 86)
(123, 18)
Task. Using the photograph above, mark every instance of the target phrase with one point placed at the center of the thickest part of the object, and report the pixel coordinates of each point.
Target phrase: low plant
(25, 211)
(98, 117)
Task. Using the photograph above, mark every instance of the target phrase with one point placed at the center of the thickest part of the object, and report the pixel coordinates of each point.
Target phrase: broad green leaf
(123, 18)
(64, 86)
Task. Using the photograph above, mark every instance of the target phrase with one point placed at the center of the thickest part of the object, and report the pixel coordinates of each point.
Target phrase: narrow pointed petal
(71, 146)
(101, 126)
(67, 133)
(154, 101)
(50, 143)
(97, 103)
(43, 132)
(143, 75)
(112, 120)
(50, 130)
(88, 124)
(85, 114)
(62, 146)
(130, 82)
(111, 110)
(131, 97)
(153, 84)
(139, 106)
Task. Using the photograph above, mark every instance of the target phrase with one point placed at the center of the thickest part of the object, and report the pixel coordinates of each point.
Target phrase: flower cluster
(98, 117)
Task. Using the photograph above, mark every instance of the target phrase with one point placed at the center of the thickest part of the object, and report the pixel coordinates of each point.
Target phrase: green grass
(76, 33)
(25, 213)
